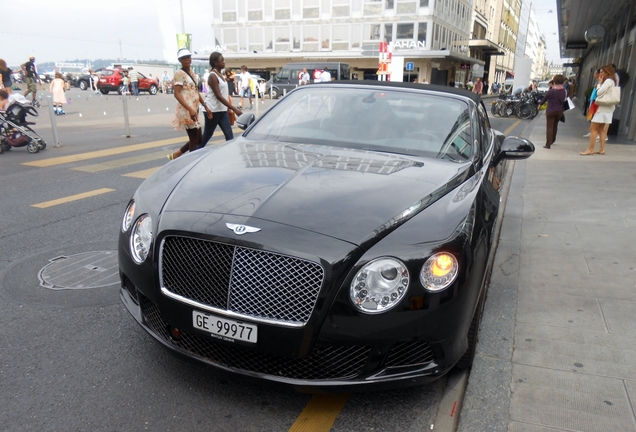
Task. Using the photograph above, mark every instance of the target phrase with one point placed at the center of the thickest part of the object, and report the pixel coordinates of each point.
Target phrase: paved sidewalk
(557, 346)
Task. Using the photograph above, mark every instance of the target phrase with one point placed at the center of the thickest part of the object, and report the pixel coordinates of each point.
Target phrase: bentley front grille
(409, 354)
(324, 363)
(246, 281)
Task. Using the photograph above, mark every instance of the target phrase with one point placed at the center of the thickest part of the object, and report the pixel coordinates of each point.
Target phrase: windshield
(414, 123)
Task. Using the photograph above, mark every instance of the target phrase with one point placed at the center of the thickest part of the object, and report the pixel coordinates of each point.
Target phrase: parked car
(344, 239)
(111, 80)
(543, 87)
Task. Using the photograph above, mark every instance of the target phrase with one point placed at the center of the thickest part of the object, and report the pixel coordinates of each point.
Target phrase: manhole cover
(82, 271)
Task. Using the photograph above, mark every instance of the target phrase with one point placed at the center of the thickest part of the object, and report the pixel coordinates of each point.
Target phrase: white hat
(183, 52)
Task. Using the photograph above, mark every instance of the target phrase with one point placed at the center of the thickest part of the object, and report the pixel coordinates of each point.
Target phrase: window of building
(388, 32)
(371, 32)
(356, 36)
(423, 3)
(282, 10)
(405, 31)
(255, 35)
(340, 38)
(311, 9)
(390, 4)
(269, 38)
(230, 39)
(406, 7)
(282, 39)
(296, 35)
(372, 7)
(228, 11)
(325, 35)
(340, 11)
(254, 10)
(421, 31)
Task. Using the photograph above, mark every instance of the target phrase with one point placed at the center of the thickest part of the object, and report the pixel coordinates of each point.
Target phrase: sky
(64, 30)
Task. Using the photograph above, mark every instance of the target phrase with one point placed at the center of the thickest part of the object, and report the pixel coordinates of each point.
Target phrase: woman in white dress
(604, 113)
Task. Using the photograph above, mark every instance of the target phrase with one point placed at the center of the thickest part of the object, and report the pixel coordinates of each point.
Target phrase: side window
(282, 75)
(486, 131)
(294, 75)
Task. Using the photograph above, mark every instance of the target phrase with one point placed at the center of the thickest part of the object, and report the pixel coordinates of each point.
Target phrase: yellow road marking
(320, 413)
(143, 174)
(514, 125)
(101, 153)
(118, 163)
(72, 198)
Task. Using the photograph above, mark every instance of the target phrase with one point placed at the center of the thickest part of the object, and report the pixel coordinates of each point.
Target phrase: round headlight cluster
(141, 239)
(128, 216)
(439, 271)
(379, 285)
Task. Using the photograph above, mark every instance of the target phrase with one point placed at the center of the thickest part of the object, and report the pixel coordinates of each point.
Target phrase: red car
(111, 80)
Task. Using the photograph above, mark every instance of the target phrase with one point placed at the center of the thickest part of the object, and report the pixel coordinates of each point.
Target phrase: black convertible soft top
(431, 87)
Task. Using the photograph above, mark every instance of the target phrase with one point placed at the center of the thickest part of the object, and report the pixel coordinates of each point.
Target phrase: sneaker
(62, 112)
(251, 107)
(240, 107)
(587, 135)
(598, 138)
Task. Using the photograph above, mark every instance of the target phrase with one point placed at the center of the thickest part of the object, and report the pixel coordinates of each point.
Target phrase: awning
(486, 46)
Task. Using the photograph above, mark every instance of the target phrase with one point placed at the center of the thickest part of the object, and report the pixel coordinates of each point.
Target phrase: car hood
(352, 195)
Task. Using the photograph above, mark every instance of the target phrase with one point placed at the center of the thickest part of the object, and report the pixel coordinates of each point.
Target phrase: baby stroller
(16, 131)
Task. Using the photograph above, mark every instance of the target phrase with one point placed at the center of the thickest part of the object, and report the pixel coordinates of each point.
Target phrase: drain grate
(81, 271)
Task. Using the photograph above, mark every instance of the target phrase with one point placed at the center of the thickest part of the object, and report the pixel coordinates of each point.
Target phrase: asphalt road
(73, 359)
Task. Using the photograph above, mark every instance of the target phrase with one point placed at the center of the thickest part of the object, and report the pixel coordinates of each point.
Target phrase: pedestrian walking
(133, 76)
(188, 99)
(231, 83)
(218, 100)
(125, 81)
(31, 77)
(304, 77)
(57, 87)
(164, 82)
(554, 111)
(6, 77)
(478, 87)
(245, 90)
(603, 116)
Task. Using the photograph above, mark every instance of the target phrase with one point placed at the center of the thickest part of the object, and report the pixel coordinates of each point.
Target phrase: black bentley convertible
(343, 240)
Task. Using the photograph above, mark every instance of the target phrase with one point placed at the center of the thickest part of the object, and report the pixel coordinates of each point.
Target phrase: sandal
(600, 152)
(587, 153)
(170, 157)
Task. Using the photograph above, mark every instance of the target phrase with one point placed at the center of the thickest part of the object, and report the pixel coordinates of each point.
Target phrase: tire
(493, 109)
(83, 85)
(103, 91)
(275, 93)
(467, 359)
(120, 89)
(42, 144)
(5, 145)
(153, 90)
(33, 147)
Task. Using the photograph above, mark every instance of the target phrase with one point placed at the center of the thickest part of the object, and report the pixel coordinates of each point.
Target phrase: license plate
(223, 328)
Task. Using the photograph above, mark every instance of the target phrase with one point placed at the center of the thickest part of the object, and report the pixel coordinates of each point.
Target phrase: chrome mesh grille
(241, 280)
(324, 363)
(409, 353)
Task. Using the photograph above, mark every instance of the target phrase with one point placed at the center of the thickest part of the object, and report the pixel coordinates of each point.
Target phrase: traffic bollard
(125, 101)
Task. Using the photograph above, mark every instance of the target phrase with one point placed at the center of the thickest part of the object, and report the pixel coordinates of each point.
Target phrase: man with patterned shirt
(134, 80)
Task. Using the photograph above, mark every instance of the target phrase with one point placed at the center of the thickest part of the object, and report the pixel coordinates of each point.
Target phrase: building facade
(266, 34)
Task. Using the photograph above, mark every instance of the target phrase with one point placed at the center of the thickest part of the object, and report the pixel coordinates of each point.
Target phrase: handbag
(568, 104)
(611, 97)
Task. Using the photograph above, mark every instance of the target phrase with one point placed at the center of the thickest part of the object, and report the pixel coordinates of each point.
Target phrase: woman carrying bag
(553, 113)
(218, 101)
(607, 97)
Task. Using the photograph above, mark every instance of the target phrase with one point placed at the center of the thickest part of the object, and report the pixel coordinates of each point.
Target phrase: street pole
(182, 23)
(125, 101)
(53, 123)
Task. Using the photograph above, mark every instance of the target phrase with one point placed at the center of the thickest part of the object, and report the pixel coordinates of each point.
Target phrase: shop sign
(464, 66)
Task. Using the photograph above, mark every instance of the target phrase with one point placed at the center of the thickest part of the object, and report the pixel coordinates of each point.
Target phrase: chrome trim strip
(227, 313)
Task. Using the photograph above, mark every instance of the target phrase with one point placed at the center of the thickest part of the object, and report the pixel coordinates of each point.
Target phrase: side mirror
(245, 120)
(514, 148)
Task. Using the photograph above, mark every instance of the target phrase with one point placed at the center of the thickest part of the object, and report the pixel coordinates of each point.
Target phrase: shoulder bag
(611, 97)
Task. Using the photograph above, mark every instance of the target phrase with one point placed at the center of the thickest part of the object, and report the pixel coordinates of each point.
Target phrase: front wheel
(83, 85)
(33, 147)
(103, 91)
(121, 89)
(153, 90)
(275, 94)
(42, 144)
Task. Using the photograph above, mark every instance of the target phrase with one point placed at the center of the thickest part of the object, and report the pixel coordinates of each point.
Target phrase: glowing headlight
(141, 238)
(128, 216)
(439, 271)
(379, 285)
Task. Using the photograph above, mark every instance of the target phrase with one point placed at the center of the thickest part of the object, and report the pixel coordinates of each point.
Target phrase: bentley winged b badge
(241, 229)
